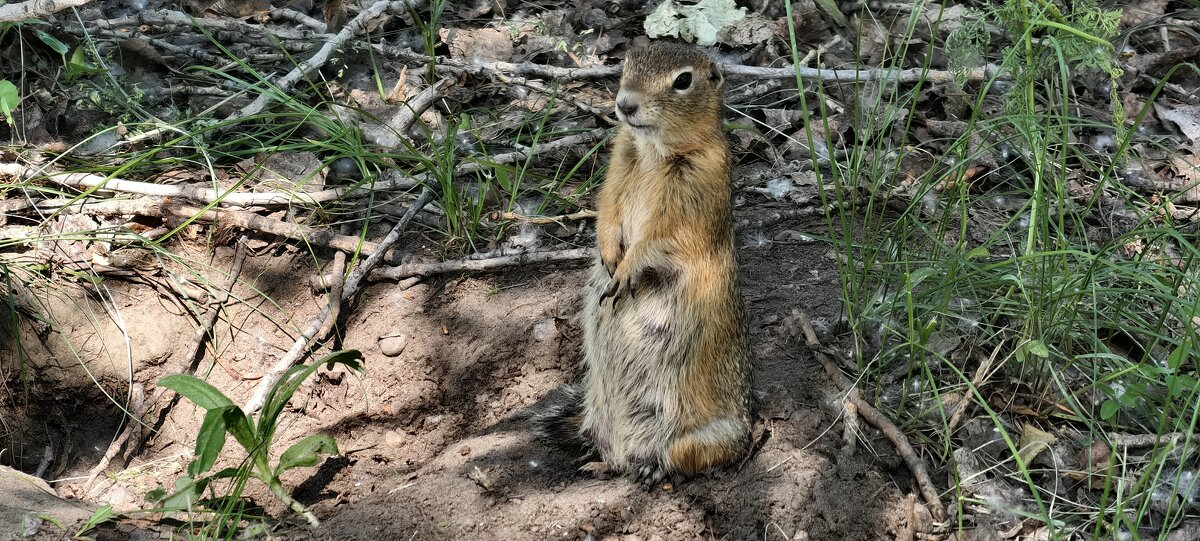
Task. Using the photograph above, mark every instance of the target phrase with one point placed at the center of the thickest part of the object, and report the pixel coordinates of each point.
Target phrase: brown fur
(666, 386)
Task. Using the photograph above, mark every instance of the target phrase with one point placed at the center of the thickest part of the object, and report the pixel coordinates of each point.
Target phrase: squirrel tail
(560, 418)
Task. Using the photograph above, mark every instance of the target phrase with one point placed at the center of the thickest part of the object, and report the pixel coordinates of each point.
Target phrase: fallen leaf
(480, 45)
(1185, 117)
(1033, 441)
(697, 23)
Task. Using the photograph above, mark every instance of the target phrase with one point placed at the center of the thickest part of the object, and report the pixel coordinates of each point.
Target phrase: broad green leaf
(1179, 355)
(78, 64)
(978, 253)
(919, 275)
(830, 8)
(100, 516)
(1108, 409)
(227, 473)
(184, 498)
(196, 390)
(306, 452)
(52, 42)
(238, 425)
(283, 389)
(1037, 347)
(9, 99)
(209, 442)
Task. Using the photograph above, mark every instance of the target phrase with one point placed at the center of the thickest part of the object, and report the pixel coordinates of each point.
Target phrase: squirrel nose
(627, 108)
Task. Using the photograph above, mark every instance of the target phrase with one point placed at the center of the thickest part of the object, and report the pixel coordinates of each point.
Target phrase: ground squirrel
(666, 384)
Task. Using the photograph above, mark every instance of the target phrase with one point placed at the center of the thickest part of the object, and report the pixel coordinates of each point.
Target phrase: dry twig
(877, 419)
(409, 112)
(35, 9)
(910, 75)
(353, 28)
(198, 193)
(1170, 439)
(574, 216)
(477, 265)
(910, 516)
(198, 339)
(491, 69)
(585, 138)
(349, 289)
(254, 222)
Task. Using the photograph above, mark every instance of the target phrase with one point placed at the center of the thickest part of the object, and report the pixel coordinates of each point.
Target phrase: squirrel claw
(652, 474)
(617, 289)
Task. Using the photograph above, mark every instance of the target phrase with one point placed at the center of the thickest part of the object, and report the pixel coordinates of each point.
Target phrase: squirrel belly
(665, 389)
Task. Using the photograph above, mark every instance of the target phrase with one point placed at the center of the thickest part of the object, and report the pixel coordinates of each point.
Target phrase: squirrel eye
(683, 81)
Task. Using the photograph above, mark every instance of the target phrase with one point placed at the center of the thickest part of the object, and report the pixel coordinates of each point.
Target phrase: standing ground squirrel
(666, 387)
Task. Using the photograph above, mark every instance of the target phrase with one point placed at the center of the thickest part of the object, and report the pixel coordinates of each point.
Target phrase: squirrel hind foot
(720, 442)
(558, 418)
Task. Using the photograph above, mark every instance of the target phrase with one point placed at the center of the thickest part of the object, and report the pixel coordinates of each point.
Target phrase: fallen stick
(408, 270)
(1149, 440)
(585, 138)
(910, 516)
(910, 75)
(254, 222)
(736, 70)
(352, 29)
(590, 106)
(409, 112)
(878, 420)
(197, 193)
(337, 273)
(349, 288)
(158, 18)
(156, 208)
(574, 216)
(458, 67)
(35, 9)
(191, 359)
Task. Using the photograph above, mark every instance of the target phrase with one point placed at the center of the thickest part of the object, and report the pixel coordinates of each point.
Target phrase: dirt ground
(434, 436)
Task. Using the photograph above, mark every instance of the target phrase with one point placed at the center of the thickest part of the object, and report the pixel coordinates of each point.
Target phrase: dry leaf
(481, 45)
(1033, 441)
(1186, 117)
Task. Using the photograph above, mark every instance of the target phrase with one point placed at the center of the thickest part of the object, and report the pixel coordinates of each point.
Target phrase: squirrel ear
(715, 76)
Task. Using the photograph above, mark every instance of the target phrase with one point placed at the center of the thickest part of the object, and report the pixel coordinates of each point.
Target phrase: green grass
(1092, 337)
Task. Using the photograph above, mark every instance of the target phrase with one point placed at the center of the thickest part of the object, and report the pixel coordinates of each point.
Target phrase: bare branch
(197, 193)
(477, 265)
(865, 410)
(350, 288)
(585, 138)
(35, 9)
(352, 29)
(491, 69)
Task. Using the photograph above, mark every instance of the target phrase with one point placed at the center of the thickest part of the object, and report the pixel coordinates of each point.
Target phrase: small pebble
(545, 330)
(393, 345)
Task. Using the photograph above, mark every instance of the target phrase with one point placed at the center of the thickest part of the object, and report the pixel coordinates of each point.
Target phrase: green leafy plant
(255, 437)
(429, 35)
(9, 99)
(100, 516)
(1043, 35)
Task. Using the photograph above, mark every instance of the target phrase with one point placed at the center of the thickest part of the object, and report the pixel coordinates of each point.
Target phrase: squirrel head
(670, 96)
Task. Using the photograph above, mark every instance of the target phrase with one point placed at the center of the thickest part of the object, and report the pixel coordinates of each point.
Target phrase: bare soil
(434, 437)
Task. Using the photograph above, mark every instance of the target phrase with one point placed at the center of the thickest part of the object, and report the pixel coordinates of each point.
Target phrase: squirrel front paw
(623, 281)
(611, 254)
